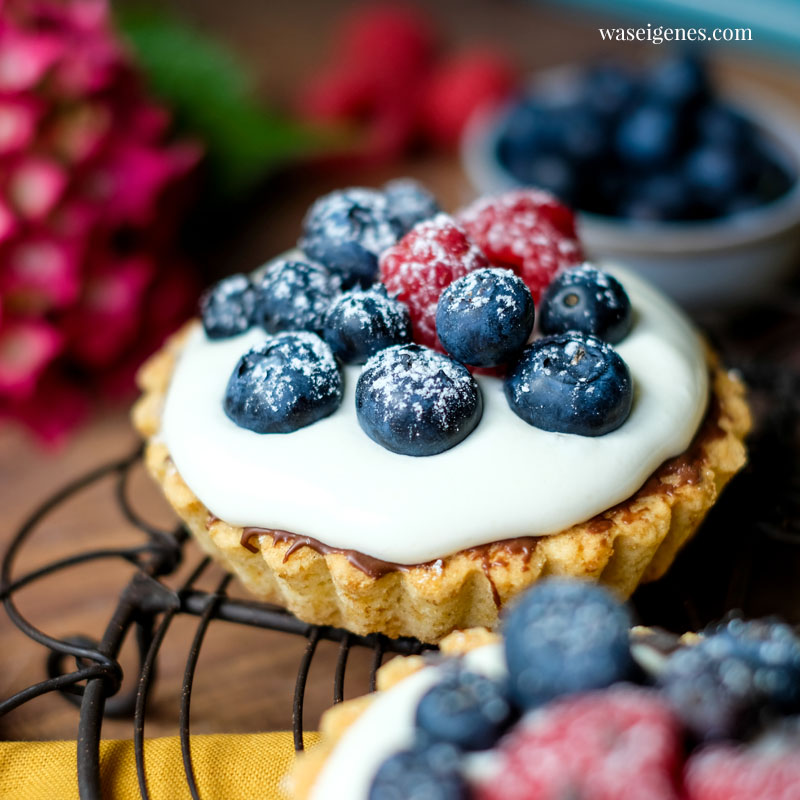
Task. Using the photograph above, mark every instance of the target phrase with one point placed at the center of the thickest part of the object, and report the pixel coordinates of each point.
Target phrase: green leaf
(210, 96)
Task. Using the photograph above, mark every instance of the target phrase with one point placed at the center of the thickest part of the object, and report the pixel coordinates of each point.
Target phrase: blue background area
(775, 24)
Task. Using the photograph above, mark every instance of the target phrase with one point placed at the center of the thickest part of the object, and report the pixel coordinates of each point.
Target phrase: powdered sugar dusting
(423, 263)
(475, 291)
(527, 231)
(287, 382)
(355, 214)
(294, 295)
(409, 377)
(381, 313)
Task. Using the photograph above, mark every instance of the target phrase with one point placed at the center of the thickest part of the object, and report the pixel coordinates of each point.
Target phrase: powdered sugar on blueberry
(423, 263)
(485, 317)
(288, 382)
(361, 322)
(526, 230)
(347, 230)
(415, 401)
(294, 295)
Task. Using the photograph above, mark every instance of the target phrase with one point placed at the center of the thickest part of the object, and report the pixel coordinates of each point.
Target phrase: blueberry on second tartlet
(588, 300)
(571, 383)
(565, 636)
(361, 322)
(429, 773)
(772, 648)
(294, 296)
(227, 307)
(485, 317)
(711, 690)
(346, 231)
(415, 401)
(464, 709)
(284, 384)
(409, 203)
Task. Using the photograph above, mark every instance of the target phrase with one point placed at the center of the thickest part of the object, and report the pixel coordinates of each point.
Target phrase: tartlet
(626, 543)
(613, 711)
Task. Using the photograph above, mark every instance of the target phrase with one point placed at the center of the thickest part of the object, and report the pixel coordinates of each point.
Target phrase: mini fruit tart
(412, 417)
(570, 701)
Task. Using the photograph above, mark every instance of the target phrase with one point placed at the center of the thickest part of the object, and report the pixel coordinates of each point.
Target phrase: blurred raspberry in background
(388, 83)
(90, 201)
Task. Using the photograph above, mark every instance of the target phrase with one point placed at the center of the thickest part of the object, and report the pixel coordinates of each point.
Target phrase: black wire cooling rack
(756, 525)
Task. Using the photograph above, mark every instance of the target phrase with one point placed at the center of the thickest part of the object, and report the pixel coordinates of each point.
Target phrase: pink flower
(106, 320)
(26, 348)
(42, 273)
(8, 222)
(18, 119)
(77, 134)
(35, 185)
(26, 57)
(89, 202)
(129, 180)
(53, 411)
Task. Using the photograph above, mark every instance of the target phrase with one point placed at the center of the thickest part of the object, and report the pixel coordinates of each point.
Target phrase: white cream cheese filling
(330, 481)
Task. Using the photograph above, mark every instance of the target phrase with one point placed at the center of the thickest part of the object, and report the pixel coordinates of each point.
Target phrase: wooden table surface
(245, 677)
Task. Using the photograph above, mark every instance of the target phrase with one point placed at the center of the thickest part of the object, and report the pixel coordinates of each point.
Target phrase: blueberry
(565, 636)
(588, 300)
(420, 774)
(294, 295)
(680, 81)
(529, 127)
(415, 401)
(607, 88)
(713, 175)
(659, 197)
(551, 172)
(361, 322)
(772, 648)
(769, 175)
(346, 231)
(227, 307)
(485, 317)
(648, 136)
(284, 384)
(719, 125)
(409, 203)
(571, 383)
(711, 690)
(465, 709)
(584, 134)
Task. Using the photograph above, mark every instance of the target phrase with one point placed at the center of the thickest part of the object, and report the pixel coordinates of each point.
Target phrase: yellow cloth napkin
(249, 766)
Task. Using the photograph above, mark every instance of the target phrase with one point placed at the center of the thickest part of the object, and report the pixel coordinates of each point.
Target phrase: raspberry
(526, 230)
(393, 43)
(618, 744)
(734, 773)
(424, 263)
(458, 88)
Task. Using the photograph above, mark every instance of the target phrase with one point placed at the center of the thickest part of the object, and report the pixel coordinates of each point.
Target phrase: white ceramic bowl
(724, 262)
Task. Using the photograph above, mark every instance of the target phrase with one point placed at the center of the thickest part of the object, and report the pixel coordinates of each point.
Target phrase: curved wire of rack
(147, 607)
(765, 507)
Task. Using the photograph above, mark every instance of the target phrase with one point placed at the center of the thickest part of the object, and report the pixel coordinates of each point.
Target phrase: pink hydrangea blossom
(87, 259)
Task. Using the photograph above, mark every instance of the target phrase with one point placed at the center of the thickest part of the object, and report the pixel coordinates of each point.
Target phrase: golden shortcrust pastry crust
(337, 719)
(632, 542)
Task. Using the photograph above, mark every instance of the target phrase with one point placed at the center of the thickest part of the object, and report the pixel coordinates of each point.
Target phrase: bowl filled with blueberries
(694, 187)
